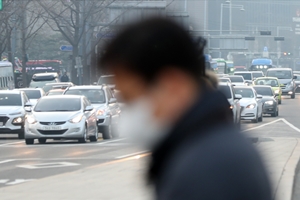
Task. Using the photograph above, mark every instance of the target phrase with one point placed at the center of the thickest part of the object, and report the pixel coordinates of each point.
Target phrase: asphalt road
(20, 163)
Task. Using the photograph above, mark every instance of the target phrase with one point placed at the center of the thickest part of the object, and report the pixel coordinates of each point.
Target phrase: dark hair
(149, 46)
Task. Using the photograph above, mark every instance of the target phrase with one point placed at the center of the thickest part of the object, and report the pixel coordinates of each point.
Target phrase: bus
(6, 76)
(224, 66)
(37, 66)
(261, 64)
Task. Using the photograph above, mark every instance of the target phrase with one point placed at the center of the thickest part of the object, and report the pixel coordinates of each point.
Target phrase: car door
(90, 116)
(113, 107)
(237, 105)
(259, 103)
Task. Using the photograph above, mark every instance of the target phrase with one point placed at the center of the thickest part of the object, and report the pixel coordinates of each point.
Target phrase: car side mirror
(28, 109)
(238, 96)
(113, 100)
(259, 96)
(88, 108)
(28, 104)
(294, 77)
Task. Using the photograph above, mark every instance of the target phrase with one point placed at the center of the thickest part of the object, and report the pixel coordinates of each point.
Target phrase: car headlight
(17, 120)
(231, 107)
(101, 112)
(30, 119)
(269, 102)
(76, 119)
(16, 113)
(251, 106)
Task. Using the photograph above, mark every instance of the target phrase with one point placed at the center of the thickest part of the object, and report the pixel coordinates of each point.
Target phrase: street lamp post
(230, 6)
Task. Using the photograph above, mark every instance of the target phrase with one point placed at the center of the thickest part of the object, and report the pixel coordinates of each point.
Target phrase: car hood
(4, 110)
(54, 116)
(267, 98)
(245, 101)
(99, 106)
(284, 81)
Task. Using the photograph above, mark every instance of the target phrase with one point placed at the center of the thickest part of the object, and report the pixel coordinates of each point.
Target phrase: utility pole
(23, 41)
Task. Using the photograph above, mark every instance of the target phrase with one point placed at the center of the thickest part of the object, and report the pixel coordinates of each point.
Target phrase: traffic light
(287, 54)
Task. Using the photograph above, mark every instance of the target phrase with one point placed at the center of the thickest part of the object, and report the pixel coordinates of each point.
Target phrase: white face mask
(138, 124)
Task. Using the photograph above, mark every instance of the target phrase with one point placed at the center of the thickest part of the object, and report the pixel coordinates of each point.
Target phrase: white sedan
(61, 117)
(251, 102)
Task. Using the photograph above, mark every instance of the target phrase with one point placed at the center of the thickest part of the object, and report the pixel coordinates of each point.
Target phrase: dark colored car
(270, 100)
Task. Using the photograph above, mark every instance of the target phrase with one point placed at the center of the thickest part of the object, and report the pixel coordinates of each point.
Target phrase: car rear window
(33, 94)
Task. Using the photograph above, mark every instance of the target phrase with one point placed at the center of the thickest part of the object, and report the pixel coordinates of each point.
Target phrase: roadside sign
(78, 62)
(66, 48)
(265, 49)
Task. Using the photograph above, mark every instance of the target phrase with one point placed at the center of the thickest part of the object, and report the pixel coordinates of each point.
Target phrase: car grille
(283, 87)
(52, 123)
(100, 120)
(53, 132)
(4, 120)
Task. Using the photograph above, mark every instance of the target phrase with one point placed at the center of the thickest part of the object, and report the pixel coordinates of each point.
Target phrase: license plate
(1, 123)
(50, 128)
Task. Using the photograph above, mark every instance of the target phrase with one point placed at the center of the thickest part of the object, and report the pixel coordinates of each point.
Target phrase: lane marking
(132, 154)
(48, 165)
(111, 141)
(284, 188)
(263, 125)
(3, 181)
(11, 143)
(18, 181)
(6, 161)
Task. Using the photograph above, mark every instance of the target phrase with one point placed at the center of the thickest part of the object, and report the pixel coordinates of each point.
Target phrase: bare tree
(76, 21)
(30, 16)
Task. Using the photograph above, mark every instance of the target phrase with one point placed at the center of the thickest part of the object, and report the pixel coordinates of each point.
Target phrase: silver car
(33, 94)
(233, 100)
(12, 112)
(61, 117)
(107, 108)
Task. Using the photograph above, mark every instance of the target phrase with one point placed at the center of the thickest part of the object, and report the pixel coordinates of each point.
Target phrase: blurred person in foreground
(174, 110)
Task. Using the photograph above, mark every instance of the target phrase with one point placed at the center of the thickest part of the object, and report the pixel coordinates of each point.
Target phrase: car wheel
(42, 140)
(21, 134)
(293, 96)
(29, 141)
(260, 119)
(256, 118)
(106, 132)
(83, 139)
(94, 138)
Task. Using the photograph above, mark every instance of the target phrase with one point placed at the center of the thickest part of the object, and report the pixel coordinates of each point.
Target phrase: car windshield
(10, 100)
(257, 74)
(270, 82)
(39, 84)
(225, 89)
(245, 92)
(33, 94)
(247, 76)
(58, 105)
(236, 79)
(284, 74)
(265, 91)
(95, 96)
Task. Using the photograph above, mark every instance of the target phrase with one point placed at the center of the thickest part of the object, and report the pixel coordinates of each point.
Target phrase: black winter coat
(205, 158)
